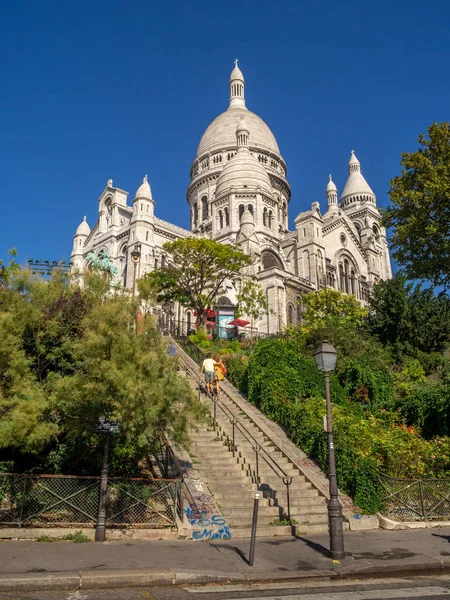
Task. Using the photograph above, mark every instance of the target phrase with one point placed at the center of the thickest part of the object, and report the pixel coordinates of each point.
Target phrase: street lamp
(325, 357)
(135, 257)
(105, 426)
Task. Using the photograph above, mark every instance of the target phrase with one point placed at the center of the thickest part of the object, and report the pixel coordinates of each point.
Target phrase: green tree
(332, 308)
(409, 319)
(8, 271)
(196, 272)
(69, 355)
(252, 301)
(129, 377)
(420, 209)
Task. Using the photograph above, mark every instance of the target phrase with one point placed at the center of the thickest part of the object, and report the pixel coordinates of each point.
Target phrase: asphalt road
(420, 588)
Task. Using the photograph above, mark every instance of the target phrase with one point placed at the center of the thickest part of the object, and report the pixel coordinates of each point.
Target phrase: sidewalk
(26, 565)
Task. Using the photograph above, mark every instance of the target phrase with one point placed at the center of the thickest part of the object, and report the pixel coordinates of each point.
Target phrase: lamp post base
(335, 528)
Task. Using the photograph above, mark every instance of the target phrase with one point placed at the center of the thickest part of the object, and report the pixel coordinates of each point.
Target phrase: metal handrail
(256, 446)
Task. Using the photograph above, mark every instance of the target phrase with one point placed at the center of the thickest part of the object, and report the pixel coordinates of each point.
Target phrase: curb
(107, 579)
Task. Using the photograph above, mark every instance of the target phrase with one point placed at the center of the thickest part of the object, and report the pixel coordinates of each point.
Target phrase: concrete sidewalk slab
(62, 565)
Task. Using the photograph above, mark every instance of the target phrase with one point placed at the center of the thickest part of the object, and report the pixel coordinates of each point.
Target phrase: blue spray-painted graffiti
(199, 518)
(207, 534)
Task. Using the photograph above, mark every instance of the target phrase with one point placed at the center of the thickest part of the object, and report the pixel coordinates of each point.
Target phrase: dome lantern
(83, 228)
(332, 195)
(242, 135)
(144, 192)
(237, 86)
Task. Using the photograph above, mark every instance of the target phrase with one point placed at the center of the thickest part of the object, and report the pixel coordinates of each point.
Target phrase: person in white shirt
(208, 368)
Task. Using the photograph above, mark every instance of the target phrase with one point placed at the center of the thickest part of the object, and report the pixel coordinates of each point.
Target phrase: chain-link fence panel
(142, 502)
(13, 489)
(51, 500)
(415, 499)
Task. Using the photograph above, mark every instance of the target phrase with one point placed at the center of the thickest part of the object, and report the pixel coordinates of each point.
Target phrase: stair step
(301, 502)
(271, 511)
(240, 503)
(310, 518)
(262, 531)
(247, 521)
(296, 493)
(305, 529)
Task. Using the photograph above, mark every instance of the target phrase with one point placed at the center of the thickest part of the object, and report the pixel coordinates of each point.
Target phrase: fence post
(24, 492)
(422, 504)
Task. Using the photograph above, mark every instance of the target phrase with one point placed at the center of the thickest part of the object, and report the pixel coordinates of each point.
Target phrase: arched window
(220, 219)
(269, 260)
(188, 321)
(290, 314)
(241, 211)
(163, 261)
(376, 231)
(195, 214)
(227, 216)
(306, 266)
(346, 276)
(299, 309)
(284, 214)
(146, 236)
(265, 217)
(319, 261)
(352, 282)
(205, 213)
(341, 277)
(250, 208)
(270, 218)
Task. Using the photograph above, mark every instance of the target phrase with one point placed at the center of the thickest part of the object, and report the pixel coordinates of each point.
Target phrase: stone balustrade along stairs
(261, 458)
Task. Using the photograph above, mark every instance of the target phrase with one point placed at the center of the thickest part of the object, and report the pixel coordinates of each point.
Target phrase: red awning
(239, 323)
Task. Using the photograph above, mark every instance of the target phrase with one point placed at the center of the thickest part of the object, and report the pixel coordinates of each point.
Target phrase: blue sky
(99, 89)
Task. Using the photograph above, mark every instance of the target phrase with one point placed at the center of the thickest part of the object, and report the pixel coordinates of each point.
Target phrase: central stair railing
(236, 424)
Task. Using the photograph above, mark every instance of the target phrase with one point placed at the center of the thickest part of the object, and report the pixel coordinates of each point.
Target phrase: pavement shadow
(315, 546)
(235, 549)
(444, 537)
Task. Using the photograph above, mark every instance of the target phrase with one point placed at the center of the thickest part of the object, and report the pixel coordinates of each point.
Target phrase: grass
(78, 538)
(283, 522)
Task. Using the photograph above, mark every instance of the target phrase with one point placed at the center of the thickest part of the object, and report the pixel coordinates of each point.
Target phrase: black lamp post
(325, 357)
(135, 257)
(104, 426)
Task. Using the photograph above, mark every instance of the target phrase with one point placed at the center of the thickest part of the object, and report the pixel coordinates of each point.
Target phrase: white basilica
(239, 193)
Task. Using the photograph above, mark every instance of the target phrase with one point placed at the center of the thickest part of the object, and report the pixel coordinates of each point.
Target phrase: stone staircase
(233, 479)
(230, 481)
(234, 473)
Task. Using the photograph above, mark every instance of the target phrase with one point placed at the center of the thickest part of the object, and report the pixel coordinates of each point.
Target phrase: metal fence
(72, 501)
(415, 499)
(180, 329)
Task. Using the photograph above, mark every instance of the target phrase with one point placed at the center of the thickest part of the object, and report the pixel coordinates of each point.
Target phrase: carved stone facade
(239, 193)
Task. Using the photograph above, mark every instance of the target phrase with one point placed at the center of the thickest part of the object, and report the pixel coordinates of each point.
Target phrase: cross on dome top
(237, 83)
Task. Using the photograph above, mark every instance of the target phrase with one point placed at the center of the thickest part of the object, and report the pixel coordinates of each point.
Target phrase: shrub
(200, 338)
(237, 372)
(429, 408)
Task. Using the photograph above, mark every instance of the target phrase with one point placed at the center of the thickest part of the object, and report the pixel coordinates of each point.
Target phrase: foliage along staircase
(237, 456)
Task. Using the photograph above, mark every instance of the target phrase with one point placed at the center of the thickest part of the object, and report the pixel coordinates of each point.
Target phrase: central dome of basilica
(221, 133)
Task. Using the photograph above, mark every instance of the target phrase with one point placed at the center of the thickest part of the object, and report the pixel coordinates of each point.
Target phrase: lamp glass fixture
(325, 357)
